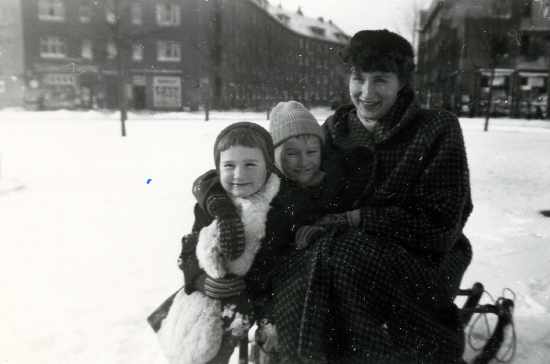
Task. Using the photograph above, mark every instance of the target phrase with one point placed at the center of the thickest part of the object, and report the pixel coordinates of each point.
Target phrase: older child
(299, 140)
(221, 287)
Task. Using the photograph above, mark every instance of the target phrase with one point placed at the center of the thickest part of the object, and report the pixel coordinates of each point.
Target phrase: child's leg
(268, 343)
(229, 343)
(235, 312)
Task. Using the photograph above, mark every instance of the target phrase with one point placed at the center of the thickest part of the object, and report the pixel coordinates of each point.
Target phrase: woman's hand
(349, 218)
(306, 234)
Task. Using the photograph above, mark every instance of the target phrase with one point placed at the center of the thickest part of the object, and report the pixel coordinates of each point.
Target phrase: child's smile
(243, 171)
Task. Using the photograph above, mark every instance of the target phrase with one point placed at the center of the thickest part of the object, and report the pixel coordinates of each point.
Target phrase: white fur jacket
(192, 331)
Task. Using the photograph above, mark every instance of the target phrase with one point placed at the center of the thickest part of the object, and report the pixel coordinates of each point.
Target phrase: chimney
(299, 11)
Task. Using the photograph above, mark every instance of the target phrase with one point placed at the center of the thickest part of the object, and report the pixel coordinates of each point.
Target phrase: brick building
(11, 54)
(72, 49)
(467, 45)
(172, 54)
(267, 53)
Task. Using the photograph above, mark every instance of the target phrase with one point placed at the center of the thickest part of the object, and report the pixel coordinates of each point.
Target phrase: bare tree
(494, 35)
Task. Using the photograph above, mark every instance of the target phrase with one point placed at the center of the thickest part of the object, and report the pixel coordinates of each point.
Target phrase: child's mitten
(230, 226)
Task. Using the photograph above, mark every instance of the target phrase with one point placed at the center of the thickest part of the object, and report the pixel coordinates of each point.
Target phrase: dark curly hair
(380, 50)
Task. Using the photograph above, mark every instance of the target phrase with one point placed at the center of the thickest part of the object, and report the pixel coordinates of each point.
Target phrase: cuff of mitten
(223, 287)
(198, 283)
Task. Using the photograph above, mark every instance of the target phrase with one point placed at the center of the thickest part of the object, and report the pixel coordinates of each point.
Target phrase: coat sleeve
(187, 261)
(430, 217)
(204, 186)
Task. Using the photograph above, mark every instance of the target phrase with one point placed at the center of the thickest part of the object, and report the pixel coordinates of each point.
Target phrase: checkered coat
(384, 293)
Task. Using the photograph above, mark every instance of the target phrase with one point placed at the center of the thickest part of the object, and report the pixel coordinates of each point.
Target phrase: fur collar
(253, 211)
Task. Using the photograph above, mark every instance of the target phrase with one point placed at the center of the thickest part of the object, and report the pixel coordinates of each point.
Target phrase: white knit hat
(291, 119)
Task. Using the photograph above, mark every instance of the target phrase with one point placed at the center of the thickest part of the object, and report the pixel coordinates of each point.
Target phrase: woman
(383, 292)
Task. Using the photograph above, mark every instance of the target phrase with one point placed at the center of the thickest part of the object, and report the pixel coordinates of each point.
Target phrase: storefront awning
(498, 71)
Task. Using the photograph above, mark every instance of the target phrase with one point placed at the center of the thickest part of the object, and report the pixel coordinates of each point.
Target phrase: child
(298, 141)
(223, 290)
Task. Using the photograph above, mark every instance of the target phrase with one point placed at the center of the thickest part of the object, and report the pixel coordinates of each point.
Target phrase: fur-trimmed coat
(193, 327)
(287, 210)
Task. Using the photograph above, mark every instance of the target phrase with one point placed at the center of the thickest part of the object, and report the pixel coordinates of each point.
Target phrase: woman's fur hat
(380, 50)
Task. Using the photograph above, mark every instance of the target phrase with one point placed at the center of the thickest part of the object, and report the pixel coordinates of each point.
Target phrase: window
(110, 11)
(526, 8)
(341, 36)
(52, 47)
(168, 14)
(85, 12)
(502, 9)
(525, 41)
(283, 18)
(317, 31)
(59, 79)
(484, 81)
(51, 10)
(111, 50)
(136, 12)
(137, 52)
(87, 51)
(168, 51)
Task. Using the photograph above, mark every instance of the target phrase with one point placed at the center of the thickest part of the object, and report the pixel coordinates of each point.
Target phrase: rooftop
(296, 21)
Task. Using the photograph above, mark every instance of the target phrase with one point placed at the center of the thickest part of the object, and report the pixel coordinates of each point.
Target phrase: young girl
(298, 142)
(223, 291)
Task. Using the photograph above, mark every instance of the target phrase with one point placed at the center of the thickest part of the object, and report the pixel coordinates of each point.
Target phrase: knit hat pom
(291, 119)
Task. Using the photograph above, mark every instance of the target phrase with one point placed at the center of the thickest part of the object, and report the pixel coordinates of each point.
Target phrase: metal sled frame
(502, 308)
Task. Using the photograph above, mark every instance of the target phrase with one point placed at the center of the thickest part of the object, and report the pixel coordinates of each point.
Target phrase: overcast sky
(354, 15)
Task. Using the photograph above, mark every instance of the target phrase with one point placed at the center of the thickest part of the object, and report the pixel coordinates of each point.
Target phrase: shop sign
(166, 92)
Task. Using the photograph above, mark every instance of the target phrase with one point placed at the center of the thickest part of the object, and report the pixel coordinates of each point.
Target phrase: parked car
(534, 108)
(500, 106)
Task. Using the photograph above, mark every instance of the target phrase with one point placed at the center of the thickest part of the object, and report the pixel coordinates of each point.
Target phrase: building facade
(267, 54)
(471, 51)
(11, 54)
(175, 54)
(79, 51)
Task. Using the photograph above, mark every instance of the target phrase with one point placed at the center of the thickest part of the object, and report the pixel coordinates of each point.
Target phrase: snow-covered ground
(90, 225)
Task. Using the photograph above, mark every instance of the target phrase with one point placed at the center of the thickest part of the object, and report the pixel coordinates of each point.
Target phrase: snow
(302, 24)
(89, 246)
